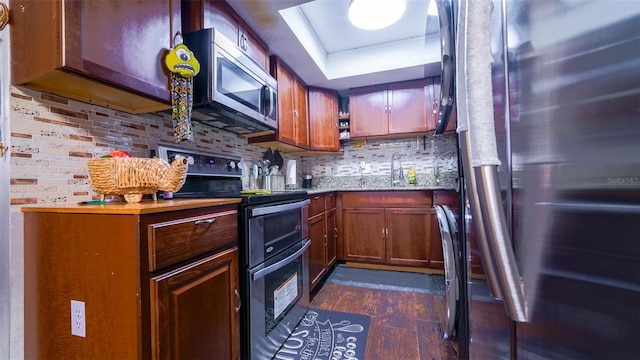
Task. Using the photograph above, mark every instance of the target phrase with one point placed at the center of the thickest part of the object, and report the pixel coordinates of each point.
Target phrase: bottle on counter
(412, 177)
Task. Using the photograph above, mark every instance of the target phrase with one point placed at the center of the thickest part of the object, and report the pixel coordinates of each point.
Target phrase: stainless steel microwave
(231, 92)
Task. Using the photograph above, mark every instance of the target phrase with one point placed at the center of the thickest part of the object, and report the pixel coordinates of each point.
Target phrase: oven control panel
(203, 163)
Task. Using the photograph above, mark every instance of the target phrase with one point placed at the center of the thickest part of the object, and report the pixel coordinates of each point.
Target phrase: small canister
(307, 181)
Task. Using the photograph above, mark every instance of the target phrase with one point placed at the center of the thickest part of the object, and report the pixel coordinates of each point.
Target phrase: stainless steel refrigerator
(552, 187)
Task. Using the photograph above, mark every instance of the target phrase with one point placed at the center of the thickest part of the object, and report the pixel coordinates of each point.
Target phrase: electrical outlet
(367, 168)
(78, 325)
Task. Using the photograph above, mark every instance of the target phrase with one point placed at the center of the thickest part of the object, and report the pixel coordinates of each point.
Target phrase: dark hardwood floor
(405, 325)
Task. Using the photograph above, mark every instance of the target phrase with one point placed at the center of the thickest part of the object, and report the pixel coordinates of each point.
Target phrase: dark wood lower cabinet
(409, 237)
(156, 285)
(363, 235)
(194, 310)
(317, 256)
(323, 232)
(390, 228)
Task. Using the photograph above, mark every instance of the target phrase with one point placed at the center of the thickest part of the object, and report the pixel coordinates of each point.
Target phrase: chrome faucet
(396, 156)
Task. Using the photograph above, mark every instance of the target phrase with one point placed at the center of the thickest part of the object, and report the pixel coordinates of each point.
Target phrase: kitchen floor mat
(326, 335)
(387, 280)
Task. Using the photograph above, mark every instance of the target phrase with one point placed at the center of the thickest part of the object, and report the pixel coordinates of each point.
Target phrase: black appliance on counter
(273, 248)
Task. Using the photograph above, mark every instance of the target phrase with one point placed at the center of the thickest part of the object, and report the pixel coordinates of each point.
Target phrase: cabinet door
(323, 123)
(302, 114)
(436, 256)
(130, 57)
(286, 101)
(317, 252)
(435, 94)
(254, 48)
(409, 236)
(332, 237)
(407, 105)
(363, 238)
(194, 310)
(71, 48)
(218, 15)
(432, 103)
(369, 113)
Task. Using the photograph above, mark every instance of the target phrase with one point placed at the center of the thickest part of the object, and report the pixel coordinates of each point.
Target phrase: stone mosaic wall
(433, 158)
(53, 137)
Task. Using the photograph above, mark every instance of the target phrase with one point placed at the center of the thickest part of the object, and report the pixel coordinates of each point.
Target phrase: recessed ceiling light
(375, 14)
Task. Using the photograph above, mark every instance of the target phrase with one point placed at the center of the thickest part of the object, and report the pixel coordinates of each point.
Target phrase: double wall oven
(274, 255)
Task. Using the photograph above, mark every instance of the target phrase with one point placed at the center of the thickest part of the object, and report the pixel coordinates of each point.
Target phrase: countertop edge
(327, 190)
(145, 207)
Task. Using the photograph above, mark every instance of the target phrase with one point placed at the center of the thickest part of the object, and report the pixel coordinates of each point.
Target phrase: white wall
(5, 239)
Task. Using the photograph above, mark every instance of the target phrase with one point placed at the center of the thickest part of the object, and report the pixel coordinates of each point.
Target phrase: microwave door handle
(266, 97)
(280, 264)
(266, 210)
(271, 106)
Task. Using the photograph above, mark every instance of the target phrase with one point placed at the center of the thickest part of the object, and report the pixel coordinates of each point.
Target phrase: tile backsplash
(433, 158)
(52, 138)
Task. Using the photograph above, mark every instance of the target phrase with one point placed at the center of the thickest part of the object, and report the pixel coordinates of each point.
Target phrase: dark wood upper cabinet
(323, 120)
(292, 134)
(110, 53)
(203, 14)
(397, 108)
(434, 94)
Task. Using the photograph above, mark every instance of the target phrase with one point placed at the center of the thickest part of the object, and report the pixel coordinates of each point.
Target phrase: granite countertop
(377, 183)
(319, 190)
(143, 207)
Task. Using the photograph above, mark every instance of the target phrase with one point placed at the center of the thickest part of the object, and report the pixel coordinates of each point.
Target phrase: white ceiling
(316, 39)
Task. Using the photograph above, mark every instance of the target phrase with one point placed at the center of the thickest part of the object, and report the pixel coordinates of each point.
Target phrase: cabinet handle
(382, 233)
(235, 291)
(386, 234)
(296, 115)
(335, 232)
(243, 42)
(435, 107)
(206, 221)
(326, 240)
(316, 197)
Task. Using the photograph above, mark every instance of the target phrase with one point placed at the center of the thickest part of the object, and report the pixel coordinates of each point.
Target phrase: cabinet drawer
(316, 205)
(176, 240)
(385, 199)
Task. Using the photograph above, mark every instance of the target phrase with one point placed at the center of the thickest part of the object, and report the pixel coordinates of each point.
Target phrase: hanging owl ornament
(183, 66)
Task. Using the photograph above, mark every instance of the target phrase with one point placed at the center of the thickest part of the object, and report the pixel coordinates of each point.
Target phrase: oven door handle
(266, 210)
(284, 262)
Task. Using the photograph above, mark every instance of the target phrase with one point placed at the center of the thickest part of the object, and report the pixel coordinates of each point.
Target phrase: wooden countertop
(143, 207)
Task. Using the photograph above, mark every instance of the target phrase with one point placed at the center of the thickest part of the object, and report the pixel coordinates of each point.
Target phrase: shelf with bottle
(344, 125)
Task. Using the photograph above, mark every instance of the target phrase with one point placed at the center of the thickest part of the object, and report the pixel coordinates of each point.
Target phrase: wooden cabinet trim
(383, 199)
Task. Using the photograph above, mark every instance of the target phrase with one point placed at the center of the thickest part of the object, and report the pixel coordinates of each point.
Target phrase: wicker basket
(134, 177)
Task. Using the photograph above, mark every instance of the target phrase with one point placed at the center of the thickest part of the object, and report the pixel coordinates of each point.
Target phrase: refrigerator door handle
(478, 221)
(483, 155)
(499, 240)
